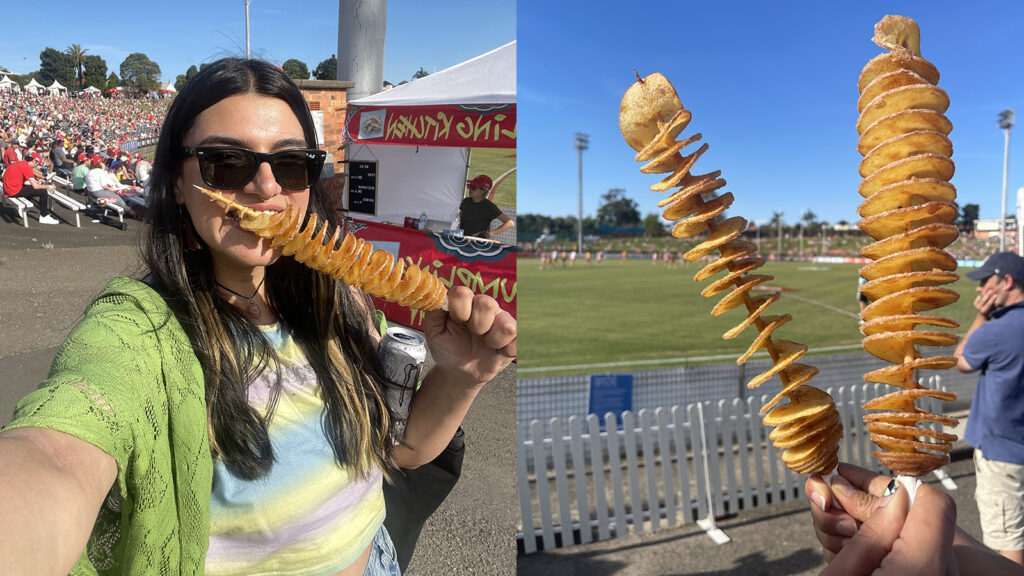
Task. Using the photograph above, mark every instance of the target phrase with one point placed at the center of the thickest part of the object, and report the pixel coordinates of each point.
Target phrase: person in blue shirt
(994, 346)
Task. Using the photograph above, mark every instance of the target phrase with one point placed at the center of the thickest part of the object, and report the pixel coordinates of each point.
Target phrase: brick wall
(330, 97)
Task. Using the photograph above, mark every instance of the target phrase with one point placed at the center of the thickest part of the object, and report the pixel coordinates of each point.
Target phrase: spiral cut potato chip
(909, 211)
(807, 427)
(351, 260)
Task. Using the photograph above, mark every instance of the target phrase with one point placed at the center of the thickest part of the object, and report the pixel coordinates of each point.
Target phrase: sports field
(634, 314)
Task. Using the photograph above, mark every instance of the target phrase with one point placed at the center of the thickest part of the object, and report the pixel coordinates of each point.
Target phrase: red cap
(481, 181)
(97, 160)
(34, 156)
(81, 157)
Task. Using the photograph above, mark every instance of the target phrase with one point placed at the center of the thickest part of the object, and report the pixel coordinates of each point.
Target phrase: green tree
(77, 54)
(809, 219)
(327, 70)
(295, 69)
(56, 65)
(968, 214)
(192, 71)
(139, 73)
(95, 71)
(113, 81)
(652, 225)
(180, 81)
(421, 73)
(617, 210)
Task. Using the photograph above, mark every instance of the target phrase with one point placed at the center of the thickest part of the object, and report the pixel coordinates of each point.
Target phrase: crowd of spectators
(66, 133)
(91, 125)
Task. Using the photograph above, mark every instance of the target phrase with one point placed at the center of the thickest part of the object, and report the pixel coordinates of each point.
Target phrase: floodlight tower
(581, 142)
(1005, 123)
(247, 2)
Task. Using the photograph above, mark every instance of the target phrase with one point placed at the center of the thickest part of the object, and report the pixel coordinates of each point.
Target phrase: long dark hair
(326, 319)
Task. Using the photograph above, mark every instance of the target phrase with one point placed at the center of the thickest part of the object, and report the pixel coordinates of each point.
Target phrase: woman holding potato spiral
(222, 413)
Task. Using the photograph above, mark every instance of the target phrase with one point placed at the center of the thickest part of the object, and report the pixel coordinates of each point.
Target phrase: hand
(986, 301)
(474, 341)
(876, 532)
(485, 234)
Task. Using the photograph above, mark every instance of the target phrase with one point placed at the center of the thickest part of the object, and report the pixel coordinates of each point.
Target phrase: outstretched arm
(51, 488)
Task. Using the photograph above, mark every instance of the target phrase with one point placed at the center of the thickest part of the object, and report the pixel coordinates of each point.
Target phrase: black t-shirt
(476, 217)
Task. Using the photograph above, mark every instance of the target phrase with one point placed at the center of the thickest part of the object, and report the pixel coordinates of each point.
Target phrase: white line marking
(823, 305)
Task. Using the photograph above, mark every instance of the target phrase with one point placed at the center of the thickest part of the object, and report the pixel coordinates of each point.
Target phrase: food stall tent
(416, 141)
(420, 134)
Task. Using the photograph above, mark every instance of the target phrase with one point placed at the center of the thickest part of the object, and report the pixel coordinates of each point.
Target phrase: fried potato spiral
(807, 427)
(352, 260)
(909, 212)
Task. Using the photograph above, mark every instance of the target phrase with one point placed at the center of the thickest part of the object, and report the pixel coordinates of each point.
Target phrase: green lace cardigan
(126, 380)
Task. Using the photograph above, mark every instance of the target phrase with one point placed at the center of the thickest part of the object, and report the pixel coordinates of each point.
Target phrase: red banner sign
(484, 267)
(478, 126)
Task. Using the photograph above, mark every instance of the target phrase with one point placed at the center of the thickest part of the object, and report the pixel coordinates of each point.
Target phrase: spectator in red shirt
(11, 154)
(20, 180)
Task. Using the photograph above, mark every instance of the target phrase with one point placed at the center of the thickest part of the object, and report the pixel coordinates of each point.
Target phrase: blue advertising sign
(610, 393)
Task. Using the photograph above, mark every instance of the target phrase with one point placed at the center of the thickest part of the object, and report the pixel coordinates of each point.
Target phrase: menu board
(362, 186)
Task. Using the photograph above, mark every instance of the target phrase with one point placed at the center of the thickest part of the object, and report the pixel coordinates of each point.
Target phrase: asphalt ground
(49, 273)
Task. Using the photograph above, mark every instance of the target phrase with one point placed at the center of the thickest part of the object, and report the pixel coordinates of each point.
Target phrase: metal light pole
(779, 222)
(1005, 123)
(247, 28)
(581, 142)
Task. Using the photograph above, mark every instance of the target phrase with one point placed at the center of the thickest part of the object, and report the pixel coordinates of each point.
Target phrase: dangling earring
(190, 242)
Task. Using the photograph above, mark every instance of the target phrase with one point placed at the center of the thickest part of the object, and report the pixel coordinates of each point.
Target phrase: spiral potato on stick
(352, 260)
(807, 426)
(909, 212)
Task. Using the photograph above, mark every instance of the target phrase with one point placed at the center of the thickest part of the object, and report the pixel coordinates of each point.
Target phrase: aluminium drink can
(400, 358)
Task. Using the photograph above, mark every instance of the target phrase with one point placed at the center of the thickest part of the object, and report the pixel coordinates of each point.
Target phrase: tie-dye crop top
(308, 516)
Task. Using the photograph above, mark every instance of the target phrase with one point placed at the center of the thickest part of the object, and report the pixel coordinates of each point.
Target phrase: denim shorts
(383, 560)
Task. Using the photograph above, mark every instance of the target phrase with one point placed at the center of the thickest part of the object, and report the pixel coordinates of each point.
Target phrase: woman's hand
(877, 534)
(474, 340)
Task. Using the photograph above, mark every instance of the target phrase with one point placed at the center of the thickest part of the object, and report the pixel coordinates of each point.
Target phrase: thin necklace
(254, 309)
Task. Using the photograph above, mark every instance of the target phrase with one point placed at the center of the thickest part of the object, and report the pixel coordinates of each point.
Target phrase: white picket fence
(666, 466)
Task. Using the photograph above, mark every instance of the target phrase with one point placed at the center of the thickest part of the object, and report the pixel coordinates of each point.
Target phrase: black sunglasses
(228, 167)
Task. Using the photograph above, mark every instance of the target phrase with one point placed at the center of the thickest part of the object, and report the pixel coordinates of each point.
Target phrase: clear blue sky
(179, 33)
(772, 87)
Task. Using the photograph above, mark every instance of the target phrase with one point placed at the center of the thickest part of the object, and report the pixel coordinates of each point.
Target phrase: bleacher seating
(67, 201)
(21, 205)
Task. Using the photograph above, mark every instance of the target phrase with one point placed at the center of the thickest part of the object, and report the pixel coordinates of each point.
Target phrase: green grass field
(574, 320)
(494, 162)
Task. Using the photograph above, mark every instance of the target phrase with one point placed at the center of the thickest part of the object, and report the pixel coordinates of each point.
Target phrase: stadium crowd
(81, 139)
(36, 122)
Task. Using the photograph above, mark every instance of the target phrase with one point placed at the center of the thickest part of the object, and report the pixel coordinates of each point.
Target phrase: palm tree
(78, 57)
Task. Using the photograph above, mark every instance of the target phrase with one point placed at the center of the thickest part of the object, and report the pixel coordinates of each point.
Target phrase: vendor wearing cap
(994, 345)
(21, 180)
(477, 212)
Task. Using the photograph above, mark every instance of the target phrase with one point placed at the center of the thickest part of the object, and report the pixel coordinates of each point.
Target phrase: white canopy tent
(34, 87)
(423, 176)
(56, 88)
(91, 90)
(8, 85)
